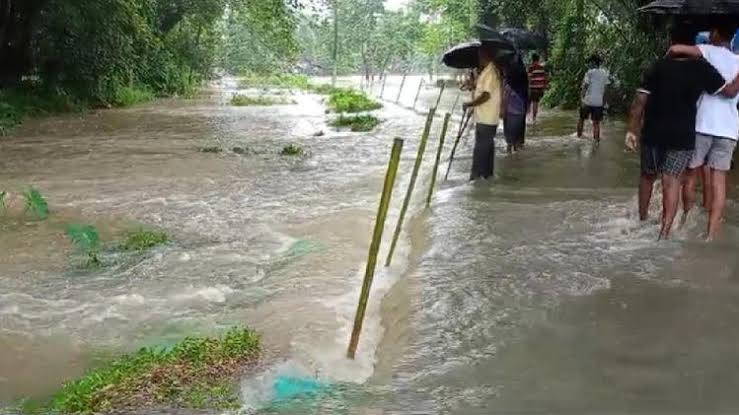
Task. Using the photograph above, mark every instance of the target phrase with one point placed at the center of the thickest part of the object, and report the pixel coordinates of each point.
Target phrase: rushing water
(539, 292)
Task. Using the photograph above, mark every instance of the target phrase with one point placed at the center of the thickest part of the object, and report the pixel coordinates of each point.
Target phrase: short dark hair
(595, 59)
(535, 57)
(725, 30)
(683, 34)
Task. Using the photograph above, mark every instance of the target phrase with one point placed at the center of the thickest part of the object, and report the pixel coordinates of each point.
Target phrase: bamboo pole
(462, 126)
(444, 129)
(418, 94)
(456, 102)
(402, 84)
(369, 274)
(411, 185)
(438, 100)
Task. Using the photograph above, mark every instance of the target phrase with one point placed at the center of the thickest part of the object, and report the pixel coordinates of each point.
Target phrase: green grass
(357, 123)
(141, 240)
(247, 101)
(127, 96)
(292, 150)
(19, 103)
(197, 373)
(275, 81)
(323, 89)
(36, 204)
(348, 100)
(87, 241)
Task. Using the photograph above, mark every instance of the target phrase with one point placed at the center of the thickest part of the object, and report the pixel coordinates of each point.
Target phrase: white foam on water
(215, 294)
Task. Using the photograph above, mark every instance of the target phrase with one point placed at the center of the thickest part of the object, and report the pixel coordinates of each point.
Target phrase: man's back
(674, 86)
(595, 82)
(537, 77)
(717, 115)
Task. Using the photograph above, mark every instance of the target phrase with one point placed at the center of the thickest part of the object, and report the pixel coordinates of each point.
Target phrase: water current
(537, 292)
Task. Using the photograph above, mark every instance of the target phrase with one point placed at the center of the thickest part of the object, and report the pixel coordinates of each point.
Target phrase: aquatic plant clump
(142, 240)
(348, 100)
(292, 150)
(3, 206)
(87, 240)
(247, 101)
(357, 123)
(197, 373)
(36, 204)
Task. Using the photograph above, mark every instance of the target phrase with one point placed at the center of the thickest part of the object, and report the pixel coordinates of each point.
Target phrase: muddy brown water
(539, 292)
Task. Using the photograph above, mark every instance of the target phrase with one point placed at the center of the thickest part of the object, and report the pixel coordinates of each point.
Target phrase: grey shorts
(714, 152)
(655, 161)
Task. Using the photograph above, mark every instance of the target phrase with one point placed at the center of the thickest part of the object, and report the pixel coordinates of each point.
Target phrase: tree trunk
(336, 44)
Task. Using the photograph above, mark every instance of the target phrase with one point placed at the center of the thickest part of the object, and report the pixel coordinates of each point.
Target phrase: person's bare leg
(689, 189)
(706, 179)
(534, 110)
(670, 197)
(646, 185)
(596, 130)
(580, 127)
(718, 203)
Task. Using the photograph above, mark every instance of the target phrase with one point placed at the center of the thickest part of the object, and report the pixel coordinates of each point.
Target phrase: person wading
(717, 128)
(593, 96)
(486, 105)
(538, 83)
(515, 103)
(666, 106)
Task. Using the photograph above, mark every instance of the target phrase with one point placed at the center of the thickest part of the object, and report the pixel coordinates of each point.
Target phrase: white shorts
(714, 152)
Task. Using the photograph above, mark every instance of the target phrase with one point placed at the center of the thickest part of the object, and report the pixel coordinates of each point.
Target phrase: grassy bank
(197, 373)
(27, 101)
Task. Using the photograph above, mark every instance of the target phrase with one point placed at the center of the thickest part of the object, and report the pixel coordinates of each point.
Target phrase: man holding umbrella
(486, 105)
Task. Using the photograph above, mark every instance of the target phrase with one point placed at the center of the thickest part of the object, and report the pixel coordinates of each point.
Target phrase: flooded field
(539, 292)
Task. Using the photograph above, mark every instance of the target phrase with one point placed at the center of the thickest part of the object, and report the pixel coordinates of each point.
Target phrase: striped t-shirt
(537, 77)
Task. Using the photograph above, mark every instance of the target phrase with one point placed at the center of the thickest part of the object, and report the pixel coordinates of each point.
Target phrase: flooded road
(540, 292)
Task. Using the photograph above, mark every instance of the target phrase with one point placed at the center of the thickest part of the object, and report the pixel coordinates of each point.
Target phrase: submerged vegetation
(197, 373)
(292, 150)
(246, 101)
(141, 240)
(36, 204)
(357, 123)
(3, 206)
(87, 241)
(349, 100)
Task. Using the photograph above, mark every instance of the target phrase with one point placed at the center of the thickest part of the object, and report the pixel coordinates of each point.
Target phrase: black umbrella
(693, 7)
(524, 39)
(465, 55)
(462, 56)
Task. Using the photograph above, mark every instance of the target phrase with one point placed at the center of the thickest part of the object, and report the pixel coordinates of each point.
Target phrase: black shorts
(594, 113)
(655, 160)
(535, 95)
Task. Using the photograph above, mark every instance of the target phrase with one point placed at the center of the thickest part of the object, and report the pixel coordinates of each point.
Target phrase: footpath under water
(539, 292)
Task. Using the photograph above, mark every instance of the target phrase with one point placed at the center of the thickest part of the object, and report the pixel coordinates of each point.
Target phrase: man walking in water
(593, 97)
(665, 102)
(486, 104)
(717, 129)
(538, 83)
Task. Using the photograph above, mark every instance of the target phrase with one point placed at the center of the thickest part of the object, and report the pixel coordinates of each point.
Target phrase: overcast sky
(395, 4)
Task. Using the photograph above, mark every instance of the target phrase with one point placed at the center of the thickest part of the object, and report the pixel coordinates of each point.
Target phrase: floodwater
(537, 292)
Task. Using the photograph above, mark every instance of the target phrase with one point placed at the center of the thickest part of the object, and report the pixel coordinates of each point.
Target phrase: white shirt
(717, 115)
(489, 81)
(595, 83)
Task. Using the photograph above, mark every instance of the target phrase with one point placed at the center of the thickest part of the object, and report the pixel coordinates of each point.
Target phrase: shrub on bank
(349, 100)
(357, 123)
(197, 373)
